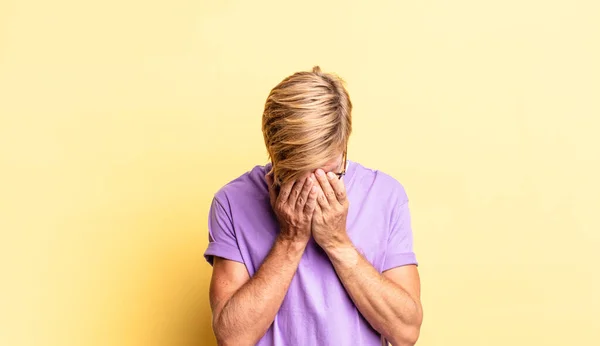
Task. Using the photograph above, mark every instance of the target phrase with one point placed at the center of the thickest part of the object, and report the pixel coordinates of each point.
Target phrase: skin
(390, 302)
(315, 205)
(244, 307)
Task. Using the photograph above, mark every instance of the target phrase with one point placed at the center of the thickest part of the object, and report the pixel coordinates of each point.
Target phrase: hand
(294, 206)
(329, 219)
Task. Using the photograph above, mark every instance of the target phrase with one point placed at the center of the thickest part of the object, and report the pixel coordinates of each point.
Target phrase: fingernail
(320, 172)
(331, 175)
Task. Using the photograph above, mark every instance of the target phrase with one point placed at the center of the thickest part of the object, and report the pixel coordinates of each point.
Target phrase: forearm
(249, 312)
(388, 308)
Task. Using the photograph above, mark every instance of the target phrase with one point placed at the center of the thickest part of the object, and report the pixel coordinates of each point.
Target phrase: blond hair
(306, 123)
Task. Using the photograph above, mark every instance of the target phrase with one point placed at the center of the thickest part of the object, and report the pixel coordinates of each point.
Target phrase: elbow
(221, 342)
(408, 333)
(226, 338)
(222, 338)
(407, 337)
(226, 341)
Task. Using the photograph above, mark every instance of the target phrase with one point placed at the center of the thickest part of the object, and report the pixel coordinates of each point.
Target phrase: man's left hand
(329, 217)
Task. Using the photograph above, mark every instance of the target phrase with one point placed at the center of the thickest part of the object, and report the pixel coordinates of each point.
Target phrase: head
(306, 125)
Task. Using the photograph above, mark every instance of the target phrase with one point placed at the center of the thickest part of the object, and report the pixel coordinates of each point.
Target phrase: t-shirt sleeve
(221, 236)
(400, 245)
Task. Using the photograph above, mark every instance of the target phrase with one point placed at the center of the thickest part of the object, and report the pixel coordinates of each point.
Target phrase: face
(335, 165)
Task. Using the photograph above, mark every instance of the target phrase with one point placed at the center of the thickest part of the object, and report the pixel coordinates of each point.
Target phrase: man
(312, 249)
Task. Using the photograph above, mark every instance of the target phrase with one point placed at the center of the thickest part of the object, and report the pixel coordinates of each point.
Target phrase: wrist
(292, 243)
(337, 241)
(344, 254)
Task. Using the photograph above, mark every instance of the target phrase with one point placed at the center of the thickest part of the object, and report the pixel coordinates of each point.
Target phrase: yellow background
(120, 119)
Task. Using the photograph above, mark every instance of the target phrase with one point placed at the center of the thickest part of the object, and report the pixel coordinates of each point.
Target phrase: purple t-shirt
(316, 310)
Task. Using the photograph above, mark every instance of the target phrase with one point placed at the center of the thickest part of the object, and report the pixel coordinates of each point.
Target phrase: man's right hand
(245, 307)
(294, 206)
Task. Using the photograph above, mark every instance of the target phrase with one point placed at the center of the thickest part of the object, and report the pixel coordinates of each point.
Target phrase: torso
(316, 309)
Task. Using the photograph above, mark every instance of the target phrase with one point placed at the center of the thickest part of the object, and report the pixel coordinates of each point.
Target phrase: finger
(311, 201)
(284, 192)
(272, 192)
(325, 186)
(322, 201)
(308, 183)
(296, 190)
(338, 187)
(318, 213)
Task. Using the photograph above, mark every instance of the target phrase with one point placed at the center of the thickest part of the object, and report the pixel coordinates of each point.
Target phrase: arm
(243, 307)
(389, 301)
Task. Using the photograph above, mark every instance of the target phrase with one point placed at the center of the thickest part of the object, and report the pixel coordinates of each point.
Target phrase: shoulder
(246, 188)
(379, 182)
